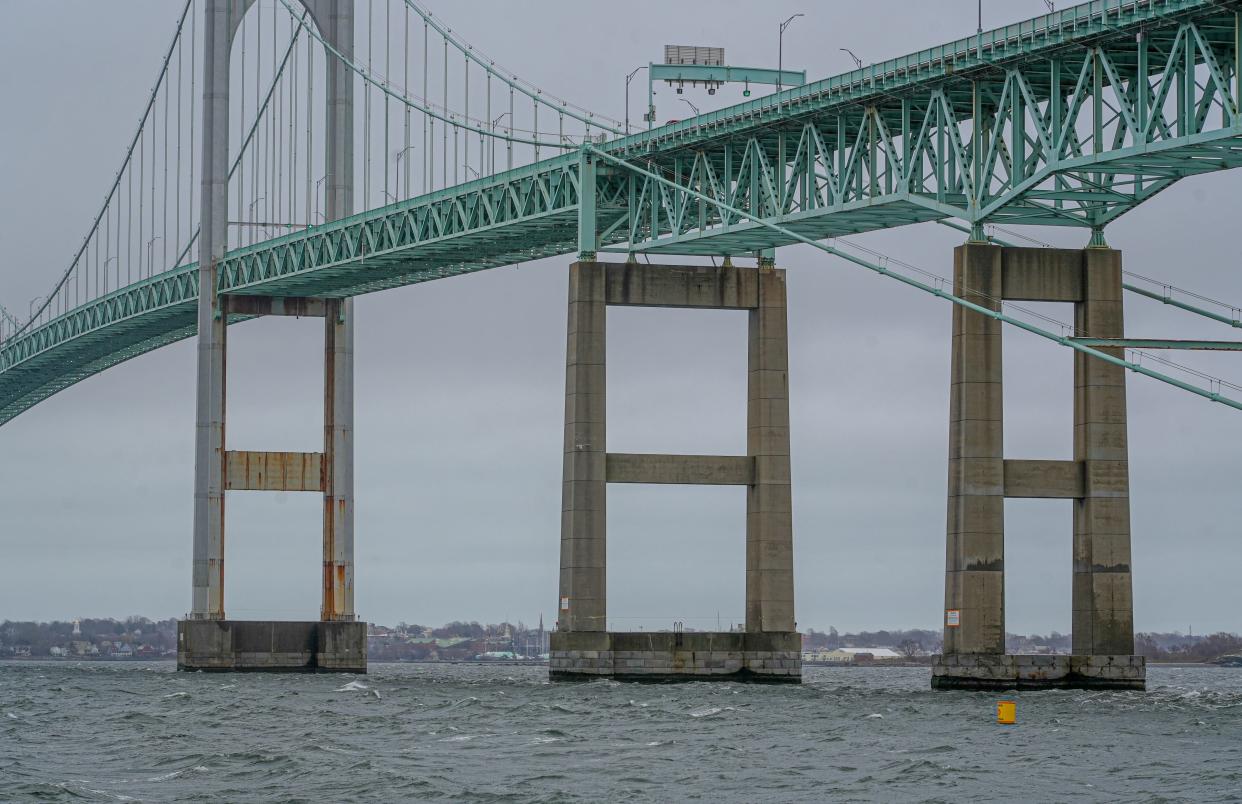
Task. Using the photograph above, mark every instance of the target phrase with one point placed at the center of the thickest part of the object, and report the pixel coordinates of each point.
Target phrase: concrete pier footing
(272, 646)
(582, 647)
(671, 656)
(981, 478)
(980, 671)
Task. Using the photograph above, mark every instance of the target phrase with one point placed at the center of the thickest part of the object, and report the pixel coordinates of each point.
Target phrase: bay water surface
(132, 731)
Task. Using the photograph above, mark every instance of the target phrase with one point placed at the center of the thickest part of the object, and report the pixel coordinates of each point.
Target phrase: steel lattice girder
(923, 137)
(1055, 126)
(520, 215)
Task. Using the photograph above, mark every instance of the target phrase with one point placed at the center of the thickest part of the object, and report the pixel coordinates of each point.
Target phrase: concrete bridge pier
(207, 640)
(980, 478)
(770, 649)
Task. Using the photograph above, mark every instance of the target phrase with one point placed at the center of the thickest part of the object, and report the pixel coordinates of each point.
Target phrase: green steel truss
(1072, 118)
(520, 215)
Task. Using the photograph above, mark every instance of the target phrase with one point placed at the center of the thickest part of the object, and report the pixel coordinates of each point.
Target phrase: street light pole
(628, 79)
(321, 181)
(691, 105)
(780, 50)
(509, 145)
(400, 154)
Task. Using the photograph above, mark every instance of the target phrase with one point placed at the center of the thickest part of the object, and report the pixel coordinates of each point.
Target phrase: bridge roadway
(1066, 136)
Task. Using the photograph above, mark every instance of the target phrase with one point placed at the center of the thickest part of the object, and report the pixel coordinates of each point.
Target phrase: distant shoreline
(512, 662)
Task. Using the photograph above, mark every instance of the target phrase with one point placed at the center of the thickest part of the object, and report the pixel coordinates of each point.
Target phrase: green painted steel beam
(1167, 299)
(1147, 343)
(723, 74)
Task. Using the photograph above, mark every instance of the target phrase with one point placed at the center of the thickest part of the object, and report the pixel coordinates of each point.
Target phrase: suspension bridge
(293, 155)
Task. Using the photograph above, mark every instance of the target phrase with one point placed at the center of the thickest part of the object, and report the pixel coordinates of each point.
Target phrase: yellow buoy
(1006, 713)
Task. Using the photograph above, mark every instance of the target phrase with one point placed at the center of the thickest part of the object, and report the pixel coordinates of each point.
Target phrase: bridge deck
(1069, 141)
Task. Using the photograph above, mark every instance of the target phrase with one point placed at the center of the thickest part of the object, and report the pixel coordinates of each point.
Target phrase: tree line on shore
(141, 636)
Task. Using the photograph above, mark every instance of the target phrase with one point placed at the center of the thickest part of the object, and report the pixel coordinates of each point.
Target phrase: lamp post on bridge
(151, 255)
(322, 179)
(400, 154)
(780, 49)
(509, 144)
(104, 270)
(857, 61)
(628, 79)
(691, 105)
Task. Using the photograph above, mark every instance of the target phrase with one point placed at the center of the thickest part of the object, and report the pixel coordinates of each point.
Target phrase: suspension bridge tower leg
(209, 454)
(1096, 479)
(338, 501)
(207, 640)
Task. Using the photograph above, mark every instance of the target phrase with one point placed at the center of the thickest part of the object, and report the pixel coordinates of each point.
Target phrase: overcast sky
(460, 382)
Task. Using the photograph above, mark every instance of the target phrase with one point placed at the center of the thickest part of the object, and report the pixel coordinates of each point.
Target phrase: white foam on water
(353, 686)
(712, 710)
(876, 715)
(177, 695)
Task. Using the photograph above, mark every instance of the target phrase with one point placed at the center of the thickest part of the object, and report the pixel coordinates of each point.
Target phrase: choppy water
(131, 731)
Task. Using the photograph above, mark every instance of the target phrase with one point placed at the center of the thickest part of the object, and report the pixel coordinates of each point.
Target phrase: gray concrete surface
(271, 646)
(334, 476)
(980, 478)
(588, 467)
(672, 656)
(1006, 672)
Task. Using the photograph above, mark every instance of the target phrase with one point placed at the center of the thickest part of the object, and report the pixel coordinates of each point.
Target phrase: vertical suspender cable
(276, 153)
(490, 121)
(241, 123)
(428, 121)
(164, 195)
(366, 121)
(193, 92)
(142, 194)
(405, 89)
(291, 189)
(445, 108)
(310, 129)
(180, 164)
(387, 80)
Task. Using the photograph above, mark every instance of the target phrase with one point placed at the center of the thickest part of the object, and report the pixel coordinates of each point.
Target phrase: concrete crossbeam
(698, 286)
(701, 470)
(274, 471)
(298, 306)
(1042, 274)
(1045, 479)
